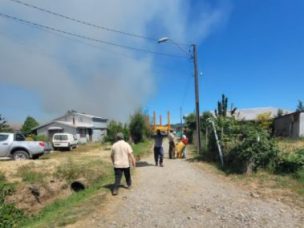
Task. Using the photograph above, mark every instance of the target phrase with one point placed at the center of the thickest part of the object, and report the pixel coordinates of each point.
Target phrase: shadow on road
(140, 164)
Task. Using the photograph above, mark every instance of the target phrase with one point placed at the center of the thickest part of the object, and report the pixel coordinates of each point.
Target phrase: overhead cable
(86, 37)
(83, 22)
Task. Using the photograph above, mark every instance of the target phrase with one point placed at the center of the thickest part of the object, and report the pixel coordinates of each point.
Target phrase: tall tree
(280, 113)
(300, 107)
(29, 124)
(222, 107)
(4, 127)
(138, 127)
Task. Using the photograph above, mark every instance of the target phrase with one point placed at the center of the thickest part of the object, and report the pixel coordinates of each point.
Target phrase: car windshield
(61, 137)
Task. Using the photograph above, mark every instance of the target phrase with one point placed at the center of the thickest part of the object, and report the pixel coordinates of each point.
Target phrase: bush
(290, 162)
(138, 128)
(255, 150)
(246, 146)
(43, 138)
(113, 128)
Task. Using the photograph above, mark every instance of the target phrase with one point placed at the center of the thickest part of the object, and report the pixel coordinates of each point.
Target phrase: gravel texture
(182, 195)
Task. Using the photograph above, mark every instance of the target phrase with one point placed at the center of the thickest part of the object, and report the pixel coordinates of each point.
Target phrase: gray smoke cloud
(106, 81)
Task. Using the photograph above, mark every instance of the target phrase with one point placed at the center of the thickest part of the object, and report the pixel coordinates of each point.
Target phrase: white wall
(301, 125)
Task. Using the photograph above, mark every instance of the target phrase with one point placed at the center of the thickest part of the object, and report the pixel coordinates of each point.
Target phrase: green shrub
(290, 162)
(10, 216)
(245, 145)
(254, 150)
(138, 127)
(40, 138)
(114, 128)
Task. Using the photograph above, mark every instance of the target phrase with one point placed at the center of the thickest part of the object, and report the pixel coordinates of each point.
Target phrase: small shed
(290, 125)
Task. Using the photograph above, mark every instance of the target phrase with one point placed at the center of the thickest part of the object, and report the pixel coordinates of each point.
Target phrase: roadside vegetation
(249, 148)
(41, 192)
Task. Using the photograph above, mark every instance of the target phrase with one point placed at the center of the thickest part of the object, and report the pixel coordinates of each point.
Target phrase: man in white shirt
(122, 155)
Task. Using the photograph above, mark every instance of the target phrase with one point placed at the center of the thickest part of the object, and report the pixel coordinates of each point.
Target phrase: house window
(99, 120)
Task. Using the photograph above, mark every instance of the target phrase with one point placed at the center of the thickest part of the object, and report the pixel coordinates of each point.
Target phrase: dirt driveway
(182, 195)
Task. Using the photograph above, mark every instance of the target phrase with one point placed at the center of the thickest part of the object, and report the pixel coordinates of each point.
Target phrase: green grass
(2, 177)
(78, 205)
(71, 170)
(29, 175)
(9, 214)
(67, 211)
(140, 149)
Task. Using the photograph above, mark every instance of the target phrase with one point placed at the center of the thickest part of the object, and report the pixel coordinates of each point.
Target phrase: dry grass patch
(290, 145)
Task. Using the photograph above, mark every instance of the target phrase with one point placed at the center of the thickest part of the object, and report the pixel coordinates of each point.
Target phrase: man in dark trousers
(122, 155)
(158, 149)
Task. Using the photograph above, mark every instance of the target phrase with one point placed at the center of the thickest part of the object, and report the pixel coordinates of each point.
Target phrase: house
(290, 125)
(87, 128)
(251, 114)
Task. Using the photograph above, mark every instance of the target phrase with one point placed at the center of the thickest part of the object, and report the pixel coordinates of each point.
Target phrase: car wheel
(70, 147)
(20, 155)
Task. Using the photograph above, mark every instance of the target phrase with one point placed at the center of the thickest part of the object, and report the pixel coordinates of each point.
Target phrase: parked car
(15, 146)
(64, 140)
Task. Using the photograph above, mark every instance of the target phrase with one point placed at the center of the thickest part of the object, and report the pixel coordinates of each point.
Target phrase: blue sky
(255, 58)
(252, 51)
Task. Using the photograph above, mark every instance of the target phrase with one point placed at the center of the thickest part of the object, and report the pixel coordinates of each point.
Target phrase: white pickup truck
(14, 146)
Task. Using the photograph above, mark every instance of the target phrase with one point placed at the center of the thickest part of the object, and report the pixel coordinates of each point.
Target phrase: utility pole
(196, 86)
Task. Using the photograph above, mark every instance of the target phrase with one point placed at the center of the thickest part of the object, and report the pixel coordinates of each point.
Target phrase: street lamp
(193, 56)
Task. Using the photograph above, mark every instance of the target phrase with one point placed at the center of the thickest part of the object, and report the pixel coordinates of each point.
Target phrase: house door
(90, 131)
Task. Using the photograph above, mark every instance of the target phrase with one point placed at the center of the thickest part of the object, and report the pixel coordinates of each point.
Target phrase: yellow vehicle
(163, 128)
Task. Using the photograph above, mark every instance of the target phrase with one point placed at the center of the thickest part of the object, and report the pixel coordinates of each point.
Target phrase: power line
(86, 37)
(83, 22)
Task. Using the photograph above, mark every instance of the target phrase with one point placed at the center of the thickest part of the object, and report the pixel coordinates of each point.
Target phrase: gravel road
(182, 195)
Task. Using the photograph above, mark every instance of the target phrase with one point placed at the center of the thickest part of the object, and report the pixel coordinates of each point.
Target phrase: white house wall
(301, 124)
(98, 135)
(102, 125)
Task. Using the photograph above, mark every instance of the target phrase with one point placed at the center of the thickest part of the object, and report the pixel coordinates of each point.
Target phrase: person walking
(171, 144)
(122, 156)
(185, 141)
(158, 149)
